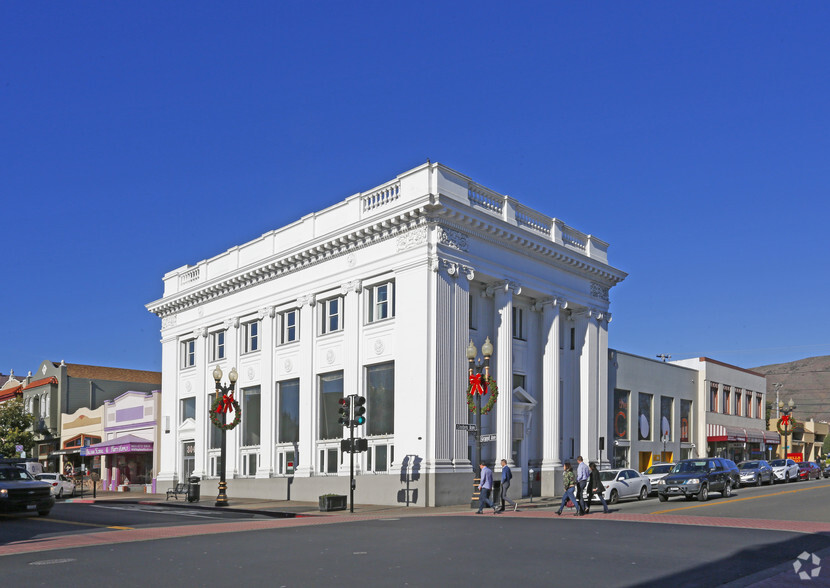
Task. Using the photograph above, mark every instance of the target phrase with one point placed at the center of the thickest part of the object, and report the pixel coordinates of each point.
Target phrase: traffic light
(344, 410)
(359, 410)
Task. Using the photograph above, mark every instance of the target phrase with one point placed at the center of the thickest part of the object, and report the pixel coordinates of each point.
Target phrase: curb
(268, 513)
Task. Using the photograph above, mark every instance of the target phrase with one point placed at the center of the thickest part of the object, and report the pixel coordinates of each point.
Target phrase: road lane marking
(730, 500)
(84, 524)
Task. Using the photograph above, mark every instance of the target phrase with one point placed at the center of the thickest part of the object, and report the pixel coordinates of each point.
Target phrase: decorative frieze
(451, 238)
(599, 291)
(411, 239)
(168, 322)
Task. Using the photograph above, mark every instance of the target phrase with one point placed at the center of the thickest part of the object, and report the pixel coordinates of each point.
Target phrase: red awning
(715, 433)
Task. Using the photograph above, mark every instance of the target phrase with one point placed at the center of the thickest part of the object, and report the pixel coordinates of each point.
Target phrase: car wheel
(72, 494)
(689, 497)
(614, 497)
(662, 497)
(43, 513)
(727, 490)
(703, 494)
(643, 493)
(60, 493)
(787, 478)
(758, 480)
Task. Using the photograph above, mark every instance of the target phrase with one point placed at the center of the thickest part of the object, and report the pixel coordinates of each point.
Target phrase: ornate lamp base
(222, 499)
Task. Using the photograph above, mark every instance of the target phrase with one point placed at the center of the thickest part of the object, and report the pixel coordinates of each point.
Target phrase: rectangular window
(471, 310)
(287, 462)
(518, 323)
(188, 408)
(251, 402)
(727, 392)
(331, 391)
(331, 317)
(748, 403)
(251, 334)
(685, 420)
(214, 432)
(289, 411)
(377, 458)
(380, 399)
(381, 302)
(713, 396)
(621, 414)
(739, 402)
(666, 405)
(189, 353)
(644, 418)
(573, 338)
(290, 326)
(328, 460)
(217, 346)
(759, 413)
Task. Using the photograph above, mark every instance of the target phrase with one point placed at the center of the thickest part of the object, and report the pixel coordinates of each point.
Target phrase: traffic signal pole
(351, 466)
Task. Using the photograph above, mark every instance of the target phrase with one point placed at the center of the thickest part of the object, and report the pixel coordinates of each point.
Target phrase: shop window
(380, 399)
(330, 388)
(379, 457)
(621, 398)
(286, 462)
(288, 417)
(329, 460)
(644, 418)
(251, 403)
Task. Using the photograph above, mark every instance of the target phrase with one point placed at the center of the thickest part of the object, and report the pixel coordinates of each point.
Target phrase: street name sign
(466, 427)
(488, 437)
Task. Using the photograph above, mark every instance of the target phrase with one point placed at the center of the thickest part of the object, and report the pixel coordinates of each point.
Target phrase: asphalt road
(525, 549)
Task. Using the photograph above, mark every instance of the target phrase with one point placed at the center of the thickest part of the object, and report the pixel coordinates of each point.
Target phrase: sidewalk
(293, 508)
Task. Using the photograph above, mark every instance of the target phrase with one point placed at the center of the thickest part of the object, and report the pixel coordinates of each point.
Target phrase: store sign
(795, 456)
(120, 448)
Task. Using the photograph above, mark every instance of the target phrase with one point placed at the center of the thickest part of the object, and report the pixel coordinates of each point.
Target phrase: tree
(15, 425)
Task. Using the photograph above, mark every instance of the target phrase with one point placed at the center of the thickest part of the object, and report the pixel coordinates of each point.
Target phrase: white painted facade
(454, 261)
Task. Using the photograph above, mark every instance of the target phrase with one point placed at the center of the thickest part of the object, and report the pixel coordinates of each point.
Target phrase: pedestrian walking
(595, 486)
(582, 475)
(570, 487)
(506, 476)
(485, 486)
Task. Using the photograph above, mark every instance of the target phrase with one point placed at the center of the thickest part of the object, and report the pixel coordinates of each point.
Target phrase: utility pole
(778, 387)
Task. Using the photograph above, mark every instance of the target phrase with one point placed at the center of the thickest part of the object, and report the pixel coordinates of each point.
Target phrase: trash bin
(193, 489)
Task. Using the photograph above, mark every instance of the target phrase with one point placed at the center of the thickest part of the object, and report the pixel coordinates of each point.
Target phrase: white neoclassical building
(379, 295)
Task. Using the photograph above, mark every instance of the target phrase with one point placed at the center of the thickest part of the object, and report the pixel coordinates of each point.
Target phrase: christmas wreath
(223, 404)
(475, 387)
(786, 419)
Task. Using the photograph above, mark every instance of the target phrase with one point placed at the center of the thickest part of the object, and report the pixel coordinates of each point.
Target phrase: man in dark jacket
(595, 486)
(506, 476)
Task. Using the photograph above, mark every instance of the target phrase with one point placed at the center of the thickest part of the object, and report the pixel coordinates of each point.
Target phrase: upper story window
(250, 332)
(188, 353)
(217, 346)
(727, 390)
(738, 402)
(748, 396)
(290, 325)
(713, 396)
(381, 301)
(759, 414)
(471, 310)
(518, 323)
(331, 315)
(187, 407)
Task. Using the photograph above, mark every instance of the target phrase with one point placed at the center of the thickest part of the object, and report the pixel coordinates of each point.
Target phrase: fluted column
(352, 372)
(591, 366)
(460, 375)
(551, 387)
(306, 455)
(203, 386)
(232, 345)
(266, 394)
(503, 293)
(445, 386)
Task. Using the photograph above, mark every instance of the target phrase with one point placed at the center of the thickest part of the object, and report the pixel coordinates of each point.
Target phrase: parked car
(827, 470)
(784, 470)
(20, 491)
(61, 485)
(755, 472)
(696, 478)
(808, 469)
(624, 484)
(656, 472)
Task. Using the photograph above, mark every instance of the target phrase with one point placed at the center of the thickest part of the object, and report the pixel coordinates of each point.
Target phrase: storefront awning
(772, 438)
(715, 433)
(125, 444)
(754, 436)
(74, 451)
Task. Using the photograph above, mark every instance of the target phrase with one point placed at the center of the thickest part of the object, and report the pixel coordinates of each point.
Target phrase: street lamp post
(226, 392)
(786, 420)
(476, 369)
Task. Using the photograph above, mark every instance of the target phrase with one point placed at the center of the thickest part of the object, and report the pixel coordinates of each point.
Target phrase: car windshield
(776, 463)
(608, 476)
(45, 476)
(684, 467)
(659, 469)
(10, 474)
(749, 465)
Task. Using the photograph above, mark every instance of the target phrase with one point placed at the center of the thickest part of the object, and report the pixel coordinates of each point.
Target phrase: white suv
(784, 470)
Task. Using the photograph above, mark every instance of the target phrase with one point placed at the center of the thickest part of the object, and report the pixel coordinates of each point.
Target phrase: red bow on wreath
(785, 419)
(226, 404)
(475, 385)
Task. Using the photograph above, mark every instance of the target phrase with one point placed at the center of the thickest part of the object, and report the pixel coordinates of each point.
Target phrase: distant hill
(806, 381)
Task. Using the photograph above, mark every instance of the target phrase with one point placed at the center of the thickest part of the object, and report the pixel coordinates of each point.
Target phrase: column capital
(552, 302)
(268, 311)
(200, 332)
(599, 315)
(504, 286)
(352, 286)
(308, 299)
(231, 322)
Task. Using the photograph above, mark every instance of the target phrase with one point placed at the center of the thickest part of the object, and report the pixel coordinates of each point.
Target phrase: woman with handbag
(570, 488)
(595, 487)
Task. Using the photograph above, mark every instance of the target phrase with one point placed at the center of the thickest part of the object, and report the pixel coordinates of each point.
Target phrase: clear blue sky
(693, 137)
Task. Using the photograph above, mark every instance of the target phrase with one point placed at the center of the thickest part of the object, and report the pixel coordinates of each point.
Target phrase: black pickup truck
(21, 492)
